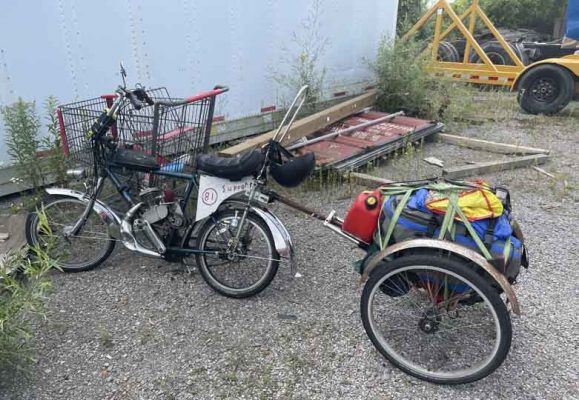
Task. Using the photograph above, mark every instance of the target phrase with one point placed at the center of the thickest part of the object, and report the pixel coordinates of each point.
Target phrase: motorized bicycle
(236, 243)
(432, 307)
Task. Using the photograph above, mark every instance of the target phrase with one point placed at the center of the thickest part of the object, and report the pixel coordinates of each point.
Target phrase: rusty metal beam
(347, 130)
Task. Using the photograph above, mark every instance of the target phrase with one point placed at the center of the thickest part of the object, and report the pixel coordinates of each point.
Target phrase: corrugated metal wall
(71, 48)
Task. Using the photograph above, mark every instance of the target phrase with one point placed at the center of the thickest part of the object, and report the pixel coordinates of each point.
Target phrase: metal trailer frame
(485, 73)
(334, 223)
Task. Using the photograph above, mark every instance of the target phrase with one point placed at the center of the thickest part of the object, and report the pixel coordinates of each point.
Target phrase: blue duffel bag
(497, 234)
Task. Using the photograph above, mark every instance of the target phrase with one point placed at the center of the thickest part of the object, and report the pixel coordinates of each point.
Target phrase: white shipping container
(71, 48)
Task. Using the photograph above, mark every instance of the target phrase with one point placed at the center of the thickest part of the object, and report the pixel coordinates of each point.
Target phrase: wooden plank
(7, 186)
(240, 128)
(541, 170)
(495, 147)
(13, 225)
(360, 177)
(308, 125)
(494, 166)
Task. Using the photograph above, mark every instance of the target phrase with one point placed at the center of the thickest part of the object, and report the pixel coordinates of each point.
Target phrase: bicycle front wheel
(72, 253)
(436, 319)
(237, 266)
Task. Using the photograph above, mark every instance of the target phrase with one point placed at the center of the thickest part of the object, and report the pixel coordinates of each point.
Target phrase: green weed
(105, 338)
(302, 58)
(24, 286)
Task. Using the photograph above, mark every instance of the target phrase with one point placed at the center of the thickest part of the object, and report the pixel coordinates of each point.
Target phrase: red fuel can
(362, 218)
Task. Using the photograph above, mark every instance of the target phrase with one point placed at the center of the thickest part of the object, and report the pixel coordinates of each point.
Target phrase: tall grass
(22, 140)
(24, 286)
(404, 84)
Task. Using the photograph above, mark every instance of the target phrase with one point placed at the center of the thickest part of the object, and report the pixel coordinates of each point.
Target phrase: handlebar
(139, 97)
(137, 105)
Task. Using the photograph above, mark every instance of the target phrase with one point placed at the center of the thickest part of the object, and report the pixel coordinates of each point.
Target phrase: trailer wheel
(447, 52)
(545, 89)
(495, 53)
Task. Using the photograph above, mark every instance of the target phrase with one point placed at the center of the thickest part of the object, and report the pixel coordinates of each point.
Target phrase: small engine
(155, 209)
(163, 216)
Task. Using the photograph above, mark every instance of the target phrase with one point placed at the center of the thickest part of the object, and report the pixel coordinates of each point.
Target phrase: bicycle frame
(282, 238)
(105, 167)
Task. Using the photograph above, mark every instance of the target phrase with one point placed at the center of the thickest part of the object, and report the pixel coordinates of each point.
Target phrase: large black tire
(447, 52)
(496, 53)
(376, 281)
(545, 89)
(34, 237)
(219, 284)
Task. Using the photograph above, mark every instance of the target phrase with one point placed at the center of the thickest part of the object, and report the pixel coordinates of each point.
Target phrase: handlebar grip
(148, 99)
(143, 96)
(134, 100)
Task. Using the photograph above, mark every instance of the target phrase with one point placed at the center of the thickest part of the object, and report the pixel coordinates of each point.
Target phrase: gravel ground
(136, 328)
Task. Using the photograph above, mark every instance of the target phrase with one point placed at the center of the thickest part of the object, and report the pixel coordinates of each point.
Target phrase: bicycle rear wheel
(436, 319)
(72, 253)
(238, 268)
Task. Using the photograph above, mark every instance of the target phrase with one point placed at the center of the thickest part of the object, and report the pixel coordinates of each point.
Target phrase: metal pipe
(436, 42)
(295, 205)
(347, 130)
(129, 239)
(471, 25)
(330, 221)
(84, 217)
(301, 95)
(331, 226)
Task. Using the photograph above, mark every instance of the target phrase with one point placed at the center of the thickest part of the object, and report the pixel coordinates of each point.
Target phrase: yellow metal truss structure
(484, 72)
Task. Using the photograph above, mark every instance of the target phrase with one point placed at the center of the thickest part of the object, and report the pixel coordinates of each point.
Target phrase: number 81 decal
(209, 196)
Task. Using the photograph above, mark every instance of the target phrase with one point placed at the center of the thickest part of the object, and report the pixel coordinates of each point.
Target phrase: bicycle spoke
(73, 251)
(241, 262)
(416, 313)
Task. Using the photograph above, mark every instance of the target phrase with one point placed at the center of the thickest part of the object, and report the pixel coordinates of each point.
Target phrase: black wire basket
(174, 134)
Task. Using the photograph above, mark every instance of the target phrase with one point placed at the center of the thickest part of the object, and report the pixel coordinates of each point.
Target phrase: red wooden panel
(412, 122)
(332, 150)
(352, 141)
(346, 146)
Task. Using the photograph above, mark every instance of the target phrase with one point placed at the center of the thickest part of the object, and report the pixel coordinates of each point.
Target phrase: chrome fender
(281, 237)
(453, 248)
(107, 215)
